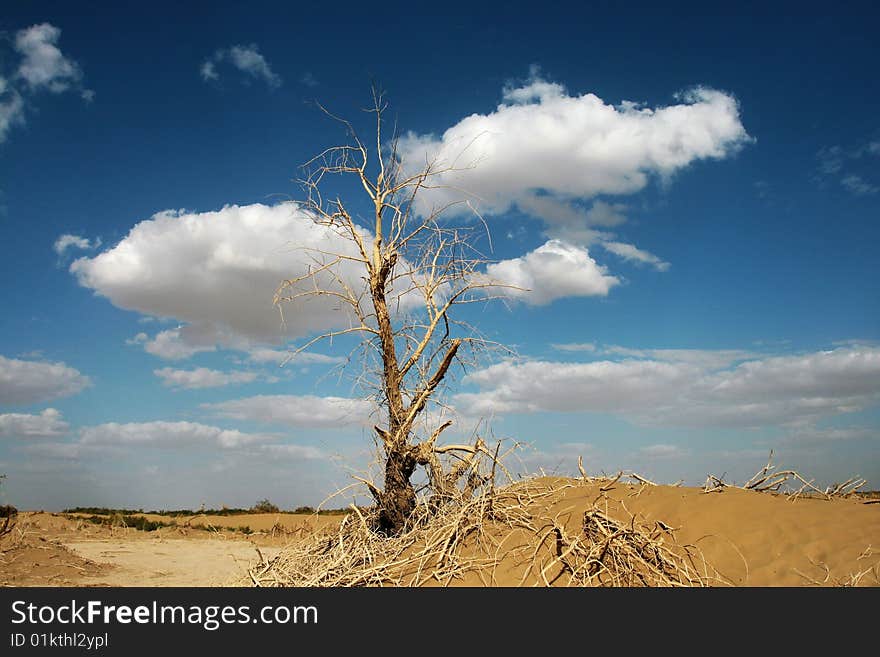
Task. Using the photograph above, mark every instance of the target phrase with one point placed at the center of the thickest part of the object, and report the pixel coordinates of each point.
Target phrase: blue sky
(690, 194)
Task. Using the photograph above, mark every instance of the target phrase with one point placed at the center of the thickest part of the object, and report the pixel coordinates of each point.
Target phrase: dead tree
(7, 515)
(415, 271)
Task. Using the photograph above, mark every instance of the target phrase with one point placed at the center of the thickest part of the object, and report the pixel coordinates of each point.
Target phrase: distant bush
(102, 511)
(122, 520)
(265, 506)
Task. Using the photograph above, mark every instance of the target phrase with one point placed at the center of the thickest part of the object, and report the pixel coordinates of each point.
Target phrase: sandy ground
(751, 539)
(758, 539)
(47, 549)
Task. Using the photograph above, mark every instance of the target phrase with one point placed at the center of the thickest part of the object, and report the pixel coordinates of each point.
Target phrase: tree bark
(398, 500)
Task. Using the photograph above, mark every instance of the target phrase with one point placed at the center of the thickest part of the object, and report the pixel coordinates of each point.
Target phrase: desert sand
(744, 538)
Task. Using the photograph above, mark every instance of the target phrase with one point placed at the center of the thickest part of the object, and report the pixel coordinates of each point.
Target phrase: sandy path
(169, 562)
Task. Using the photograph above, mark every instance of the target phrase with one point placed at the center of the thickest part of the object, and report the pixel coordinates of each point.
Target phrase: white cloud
(117, 440)
(575, 346)
(858, 185)
(65, 451)
(811, 435)
(710, 359)
(769, 391)
(295, 410)
(554, 270)
(209, 71)
(48, 424)
(173, 345)
(202, 377)
(246, 59)
(266, 355)
(554, 386)
(662, 451)
(29, 382)
(67, 241)
(44, 66)
(836, 162)
(630, 252)
(542, 144)
(288, 451)
(830, 160)
(168, 434)
(11, 108)
(217, 272)
(606, 214)
(140, 338)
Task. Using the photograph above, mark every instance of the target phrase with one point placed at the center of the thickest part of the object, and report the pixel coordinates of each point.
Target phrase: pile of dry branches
(7, 519)
(769, 479)
(491, 537)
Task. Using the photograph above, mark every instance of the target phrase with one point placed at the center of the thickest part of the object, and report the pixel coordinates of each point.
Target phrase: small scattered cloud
(201, 377)
(308, 79)
(11, 108)
(633, 254)
(30, 382)
(42, 67)
(278, 356)
(140, 338)
(169, 345)
(575, 346)
(209, 70)
(830, 160)
(552, 271)
(662, 451)
(246, 59)
(847, 166)
(67, 241)
(857, 185)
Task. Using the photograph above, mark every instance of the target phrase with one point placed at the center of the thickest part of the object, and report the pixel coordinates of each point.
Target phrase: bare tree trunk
(398, 500)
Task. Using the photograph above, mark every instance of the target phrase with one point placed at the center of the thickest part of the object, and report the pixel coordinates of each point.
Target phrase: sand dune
(746, 539)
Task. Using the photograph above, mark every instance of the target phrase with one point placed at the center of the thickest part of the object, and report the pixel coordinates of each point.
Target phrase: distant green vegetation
(115, 519)
(321, 512)
(263, 506)
(102, 511)
(144, 524)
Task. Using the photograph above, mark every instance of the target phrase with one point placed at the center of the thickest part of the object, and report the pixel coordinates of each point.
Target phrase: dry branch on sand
(7, 519)
(471, 539)
(769, 479)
